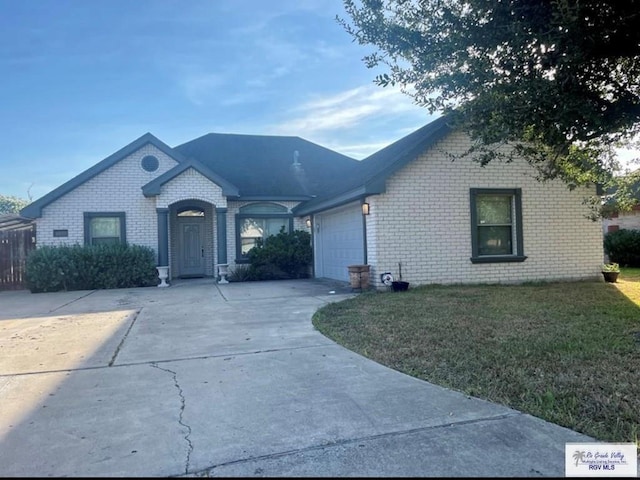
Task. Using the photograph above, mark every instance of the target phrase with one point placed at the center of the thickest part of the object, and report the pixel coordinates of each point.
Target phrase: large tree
(558, 79)
(11, 204)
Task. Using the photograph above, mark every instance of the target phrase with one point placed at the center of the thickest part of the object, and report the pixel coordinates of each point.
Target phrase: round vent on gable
(149, 163)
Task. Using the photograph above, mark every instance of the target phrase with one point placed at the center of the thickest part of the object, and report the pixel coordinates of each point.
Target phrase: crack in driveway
(210, 471)
(180, 417)
(124, 337)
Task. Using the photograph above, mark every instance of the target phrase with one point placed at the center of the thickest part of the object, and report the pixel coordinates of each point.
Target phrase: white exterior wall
(191, 185)
(117, 189)
(423, 220)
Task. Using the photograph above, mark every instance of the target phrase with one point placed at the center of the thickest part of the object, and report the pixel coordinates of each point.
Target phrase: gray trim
(150, 163)
(273, 198)
(163, 237)
(499, 259)
(281, 209)
(87, 227)
(364, 234)
(221, 228)
(518, 255)
(34, 210)
(333, 202)
(154, 187)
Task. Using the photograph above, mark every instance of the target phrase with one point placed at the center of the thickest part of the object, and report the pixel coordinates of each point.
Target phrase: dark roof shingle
(261, 165)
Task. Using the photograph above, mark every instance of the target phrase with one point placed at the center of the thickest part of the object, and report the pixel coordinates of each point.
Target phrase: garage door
(339, 242)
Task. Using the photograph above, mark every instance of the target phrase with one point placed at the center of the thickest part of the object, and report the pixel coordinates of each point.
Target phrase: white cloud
(344, 110)
(359, 150)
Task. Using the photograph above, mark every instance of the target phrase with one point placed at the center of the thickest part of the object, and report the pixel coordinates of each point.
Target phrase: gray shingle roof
(276, 167)
(372, 172)
(263, 166)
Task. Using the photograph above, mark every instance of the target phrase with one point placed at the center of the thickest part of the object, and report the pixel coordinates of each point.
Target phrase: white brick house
(425, 212)
(626, 220)
(205, 202)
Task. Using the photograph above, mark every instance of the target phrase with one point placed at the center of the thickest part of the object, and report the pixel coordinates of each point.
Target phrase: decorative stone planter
(163, 274)
(223, 271)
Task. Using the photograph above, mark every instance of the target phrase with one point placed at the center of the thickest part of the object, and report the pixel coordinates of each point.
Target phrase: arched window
(191, 212)
(256, 222)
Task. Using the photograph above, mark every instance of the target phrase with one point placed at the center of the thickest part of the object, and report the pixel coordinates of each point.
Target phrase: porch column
(163, 237)
(221, 224)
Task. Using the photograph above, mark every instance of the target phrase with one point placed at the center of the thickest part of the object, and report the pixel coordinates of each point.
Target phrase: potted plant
(399, 285)
(610, 272)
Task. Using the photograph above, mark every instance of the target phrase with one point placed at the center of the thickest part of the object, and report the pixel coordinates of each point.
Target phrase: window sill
(498, 259)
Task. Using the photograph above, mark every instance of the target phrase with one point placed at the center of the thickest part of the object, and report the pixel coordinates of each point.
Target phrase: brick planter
(359, 277)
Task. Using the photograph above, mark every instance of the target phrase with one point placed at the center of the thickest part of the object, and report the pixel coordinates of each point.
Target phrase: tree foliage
(558, 79)
(11, 204)
(282, 256)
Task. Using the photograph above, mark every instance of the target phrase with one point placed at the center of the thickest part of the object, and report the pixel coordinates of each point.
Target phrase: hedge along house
(452, 221)
(206, 202)
(198, 205)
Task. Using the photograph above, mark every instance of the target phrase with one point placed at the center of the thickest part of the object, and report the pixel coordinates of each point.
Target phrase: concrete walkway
(202, 379)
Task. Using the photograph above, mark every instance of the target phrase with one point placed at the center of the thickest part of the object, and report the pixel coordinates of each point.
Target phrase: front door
(191, 249)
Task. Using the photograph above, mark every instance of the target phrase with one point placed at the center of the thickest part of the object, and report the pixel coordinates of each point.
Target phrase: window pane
(263, 208)
(192, 212)
(493, 209)
(494, 240)
(252, 228)
(275, 224)
(105, 227)
(248, 244)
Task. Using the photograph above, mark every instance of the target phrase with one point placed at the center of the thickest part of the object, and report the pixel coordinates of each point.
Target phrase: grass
(566, 352)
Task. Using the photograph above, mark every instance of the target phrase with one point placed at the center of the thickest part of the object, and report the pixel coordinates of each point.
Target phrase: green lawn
(565, 352)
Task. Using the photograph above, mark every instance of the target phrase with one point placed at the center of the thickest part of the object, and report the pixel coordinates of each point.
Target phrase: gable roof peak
(34, 209)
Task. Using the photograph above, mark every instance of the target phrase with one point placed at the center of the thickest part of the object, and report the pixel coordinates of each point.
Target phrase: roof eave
(334, 201)
(154, 187)
(34, 210)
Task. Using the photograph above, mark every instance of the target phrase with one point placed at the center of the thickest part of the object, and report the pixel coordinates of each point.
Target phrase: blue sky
(82, 78)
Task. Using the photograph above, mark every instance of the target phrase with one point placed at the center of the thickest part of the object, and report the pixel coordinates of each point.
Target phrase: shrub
(240, 273)
(282, 256)
(623, 247)
(75, 267)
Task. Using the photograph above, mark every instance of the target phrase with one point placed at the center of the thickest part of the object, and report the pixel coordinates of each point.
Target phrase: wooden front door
(191, 238)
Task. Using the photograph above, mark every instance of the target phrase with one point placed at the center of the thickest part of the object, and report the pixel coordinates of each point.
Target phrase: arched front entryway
(192, 238)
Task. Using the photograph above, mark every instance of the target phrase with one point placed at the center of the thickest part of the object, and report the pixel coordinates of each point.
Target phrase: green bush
(75, 267)
(623, 247)
(282, 256)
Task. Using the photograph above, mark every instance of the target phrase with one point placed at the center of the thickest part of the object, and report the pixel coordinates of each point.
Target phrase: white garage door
(339, 242)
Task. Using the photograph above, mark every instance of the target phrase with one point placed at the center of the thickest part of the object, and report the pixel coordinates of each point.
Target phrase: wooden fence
(15, 245)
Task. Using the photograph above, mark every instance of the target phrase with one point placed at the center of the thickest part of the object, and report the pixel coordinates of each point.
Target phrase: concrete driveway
(202, 379)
